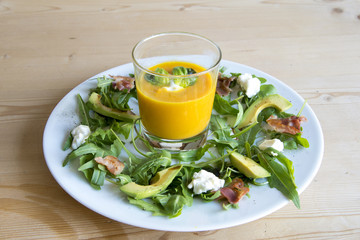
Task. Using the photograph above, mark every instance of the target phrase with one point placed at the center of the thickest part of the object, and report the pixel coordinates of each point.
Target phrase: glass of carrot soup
(176, 74)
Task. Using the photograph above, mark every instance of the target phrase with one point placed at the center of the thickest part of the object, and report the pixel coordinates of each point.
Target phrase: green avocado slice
(251, 114)
(159, 183)
(247, 166)
(100, 108)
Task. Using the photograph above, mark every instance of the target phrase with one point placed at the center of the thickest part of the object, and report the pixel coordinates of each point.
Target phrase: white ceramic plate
(110, 202)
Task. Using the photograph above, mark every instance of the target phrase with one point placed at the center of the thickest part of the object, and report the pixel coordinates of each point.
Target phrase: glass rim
(211, 68)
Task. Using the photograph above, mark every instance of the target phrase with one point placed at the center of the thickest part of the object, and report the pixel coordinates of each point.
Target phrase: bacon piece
(122, 82)
(291, 125)
(234, 192)
(223, 83)
(112, 164)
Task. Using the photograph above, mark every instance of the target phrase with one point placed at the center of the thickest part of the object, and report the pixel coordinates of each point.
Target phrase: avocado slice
(247, 166)
(251, 114)
(100, 108)
(159, 183)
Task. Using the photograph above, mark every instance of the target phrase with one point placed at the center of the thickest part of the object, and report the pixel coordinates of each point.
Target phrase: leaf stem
(301, 109)
(244, 130)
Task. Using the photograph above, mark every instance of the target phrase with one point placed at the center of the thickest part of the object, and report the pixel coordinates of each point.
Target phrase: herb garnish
(164, 81)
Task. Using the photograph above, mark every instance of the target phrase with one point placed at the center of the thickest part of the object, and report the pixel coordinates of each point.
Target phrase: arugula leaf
(149, 167)
(290, 141)
(86, 171)
(123, 128)
(223, 107)
(67, 143)
(221, 131)
(234, 121)
(155, 209)
(120, 99)
(132, 157)
(93, 172)
(88, 148)
(266, 89)
(87, 165)
(192, 155)
(284, 160)
(280, 177)
(211, 196)
(103, 83)
(83, 112)
(248, 136)
(302, 141)
(175, 204)
(97, 178)
(222, 69)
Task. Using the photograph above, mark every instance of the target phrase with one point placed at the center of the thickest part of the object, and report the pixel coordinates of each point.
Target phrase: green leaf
(235, 74)
(290, 141)
(183, 81)
(156, 210)
(83, 112)
(175, 205)
(88, 171)
(284, 160)
(222, 69)
(267, 89)
(302, 141)
(132, 158)
(158, 80)
(262, 80)
(87, 165)
(120, 100)
(123, 128)
(123, 179)
(82, 150)
(179, 71)
(67, 143)
(223, 107)
(145, 170)
(221, 131)
(280, 178)
(211, 196)
(192, 155)
(103, 83)
(248, 136)
(234, 121)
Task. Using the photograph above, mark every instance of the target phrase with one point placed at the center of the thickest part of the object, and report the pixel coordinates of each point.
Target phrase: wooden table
(48, 47)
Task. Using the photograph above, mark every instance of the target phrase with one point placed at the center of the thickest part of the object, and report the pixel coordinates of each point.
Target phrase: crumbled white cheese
(173, 87)
(249, 84)
(243, 77)
(204, 181)
(273, 143)
(80, 134)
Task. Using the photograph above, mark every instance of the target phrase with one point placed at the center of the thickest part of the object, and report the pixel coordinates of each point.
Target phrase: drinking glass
(176, 76)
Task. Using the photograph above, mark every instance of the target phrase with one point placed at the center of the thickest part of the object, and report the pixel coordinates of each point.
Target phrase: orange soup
(178, 114)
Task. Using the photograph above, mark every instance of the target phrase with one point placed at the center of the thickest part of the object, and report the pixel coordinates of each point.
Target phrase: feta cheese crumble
(273, 143)
(173, 87)
(249, 84)
(204, 181)
(80, 134)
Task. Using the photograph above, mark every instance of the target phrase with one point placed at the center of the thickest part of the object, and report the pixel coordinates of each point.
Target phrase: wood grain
(48, 47)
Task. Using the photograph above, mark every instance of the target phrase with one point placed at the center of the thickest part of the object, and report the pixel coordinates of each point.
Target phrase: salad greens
(111, 136)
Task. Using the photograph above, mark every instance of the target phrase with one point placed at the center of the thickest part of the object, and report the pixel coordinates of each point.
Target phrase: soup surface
(178, 114)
